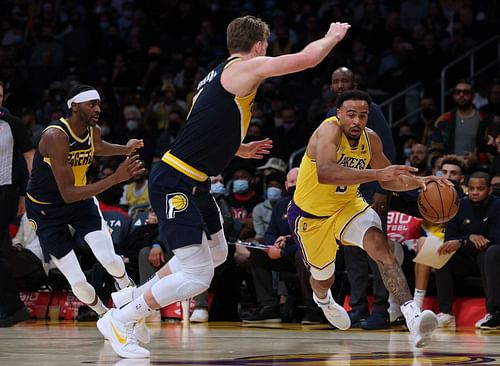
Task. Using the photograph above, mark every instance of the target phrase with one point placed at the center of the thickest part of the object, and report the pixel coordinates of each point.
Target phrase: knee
(83, 291)
(377, 247)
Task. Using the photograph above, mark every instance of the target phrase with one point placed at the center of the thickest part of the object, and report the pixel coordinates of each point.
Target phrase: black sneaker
(86, 314)
(264, 314)
(492, 323)
(312, 316)
(357, 318)
(20, 315)
(376, 321)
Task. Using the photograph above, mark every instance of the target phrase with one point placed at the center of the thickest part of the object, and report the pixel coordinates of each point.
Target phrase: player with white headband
(59, 196)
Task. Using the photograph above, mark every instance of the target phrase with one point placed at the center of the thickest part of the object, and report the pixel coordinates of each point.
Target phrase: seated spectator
(135, 193)
(471, 235)
(452, 168)
(261, 214)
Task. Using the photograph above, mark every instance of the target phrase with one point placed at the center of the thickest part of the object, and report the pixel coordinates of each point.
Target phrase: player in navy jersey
(189, 219)
(58, 194)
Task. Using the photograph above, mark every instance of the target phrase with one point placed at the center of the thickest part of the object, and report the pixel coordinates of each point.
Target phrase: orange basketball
(438, 204)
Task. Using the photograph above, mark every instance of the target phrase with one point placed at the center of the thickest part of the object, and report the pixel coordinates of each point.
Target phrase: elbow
(324, 177)
(68, 197)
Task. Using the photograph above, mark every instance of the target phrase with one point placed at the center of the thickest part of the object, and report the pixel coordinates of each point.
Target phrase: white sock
(123, 281)
(419, 296)
(133, 311)
(99, 308)
(146, 286)
(327, 299)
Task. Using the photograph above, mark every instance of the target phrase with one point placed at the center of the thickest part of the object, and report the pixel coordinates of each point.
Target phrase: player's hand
(129, 168)
(442, 181)
(394, 172)
(255, 149)
(134, 145)
(156, 257)
(480, 242)
(338, 30)
(449, 246)
(273, 252)
(379, 202)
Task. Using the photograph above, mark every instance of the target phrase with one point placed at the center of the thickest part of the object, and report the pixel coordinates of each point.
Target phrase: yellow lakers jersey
(42, 187)
(326, 199)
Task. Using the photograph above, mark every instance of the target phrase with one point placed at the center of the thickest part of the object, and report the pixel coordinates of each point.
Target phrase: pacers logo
(176, 202)
(33, 224)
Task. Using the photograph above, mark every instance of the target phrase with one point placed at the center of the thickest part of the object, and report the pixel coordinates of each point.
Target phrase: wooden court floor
(41, 343)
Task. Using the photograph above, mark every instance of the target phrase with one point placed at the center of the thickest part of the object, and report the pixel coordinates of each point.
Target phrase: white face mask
(133, 124)
(218, 188)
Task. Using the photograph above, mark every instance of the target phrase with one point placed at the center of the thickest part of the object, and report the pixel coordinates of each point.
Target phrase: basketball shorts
(318, 237)
(184, 206)
(51, 224)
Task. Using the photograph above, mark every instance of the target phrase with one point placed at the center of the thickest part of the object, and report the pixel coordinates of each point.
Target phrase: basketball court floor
(41, 343)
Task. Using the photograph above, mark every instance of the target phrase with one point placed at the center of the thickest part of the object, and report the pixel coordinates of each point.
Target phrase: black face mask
(290, 191)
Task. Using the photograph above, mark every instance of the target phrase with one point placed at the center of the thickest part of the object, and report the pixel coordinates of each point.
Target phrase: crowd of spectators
(146, 59)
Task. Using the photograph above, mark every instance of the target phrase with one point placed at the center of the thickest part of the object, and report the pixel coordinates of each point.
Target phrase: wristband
(156, 245)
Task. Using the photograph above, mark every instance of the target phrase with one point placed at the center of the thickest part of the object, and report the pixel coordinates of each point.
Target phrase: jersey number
(341, 189)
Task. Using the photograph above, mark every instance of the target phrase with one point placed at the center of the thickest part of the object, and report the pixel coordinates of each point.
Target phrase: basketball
(438, 204)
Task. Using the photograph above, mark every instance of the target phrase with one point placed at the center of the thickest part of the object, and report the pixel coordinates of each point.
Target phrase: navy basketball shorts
(51, 224)
(184, 206)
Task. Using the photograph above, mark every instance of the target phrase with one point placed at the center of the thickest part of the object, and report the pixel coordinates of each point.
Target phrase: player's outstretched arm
(54, 145)
(396, 178)
(244, 77)
(103, 148)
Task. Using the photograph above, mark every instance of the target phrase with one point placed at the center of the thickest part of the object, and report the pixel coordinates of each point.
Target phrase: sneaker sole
(428, 324)
(102, 326)
(340, 321)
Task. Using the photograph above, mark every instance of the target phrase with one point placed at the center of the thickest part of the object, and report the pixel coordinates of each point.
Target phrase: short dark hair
(276, 176)
(481, 175)
(353, 95)
(243, 32)
(455, 160)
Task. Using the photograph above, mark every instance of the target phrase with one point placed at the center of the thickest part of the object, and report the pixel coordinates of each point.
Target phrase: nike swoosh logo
(118, 336)
(71, 144)
(485, 219)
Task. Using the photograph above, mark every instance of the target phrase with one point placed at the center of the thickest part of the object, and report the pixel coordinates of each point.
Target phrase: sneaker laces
(129, 332)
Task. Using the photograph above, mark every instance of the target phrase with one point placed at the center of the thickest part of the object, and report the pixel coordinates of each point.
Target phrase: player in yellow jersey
(327, 208)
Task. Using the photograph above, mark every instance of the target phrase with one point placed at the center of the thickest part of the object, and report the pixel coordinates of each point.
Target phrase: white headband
(84, 97)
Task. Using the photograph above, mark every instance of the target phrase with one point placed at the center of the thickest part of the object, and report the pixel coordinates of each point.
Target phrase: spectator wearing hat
(273, 165)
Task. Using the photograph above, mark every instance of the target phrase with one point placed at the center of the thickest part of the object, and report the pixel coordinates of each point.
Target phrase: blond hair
(243, 32)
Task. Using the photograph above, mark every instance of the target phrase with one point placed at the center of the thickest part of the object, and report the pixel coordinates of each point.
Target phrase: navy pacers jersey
(215, 127)
(42, 187)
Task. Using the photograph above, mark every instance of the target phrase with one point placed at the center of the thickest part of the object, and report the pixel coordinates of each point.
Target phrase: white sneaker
(141, 331)
(420, 324)
(199, 315)
(335, 314)
(446, 320)
(121, 336)
(484, 319)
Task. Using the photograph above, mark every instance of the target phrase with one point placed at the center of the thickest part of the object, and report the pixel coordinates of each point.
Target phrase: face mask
(495, 190)
(438, 173)
(218, 188)
(105, 131)
(132, 124)
(273, 193)
(407, 151)
(240, 186)
(290, 190)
